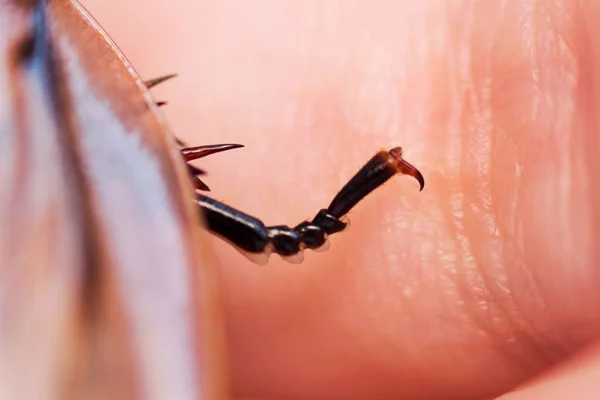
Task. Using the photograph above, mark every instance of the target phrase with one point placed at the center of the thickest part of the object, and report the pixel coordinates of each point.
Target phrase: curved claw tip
(419, 178)
(406, 168)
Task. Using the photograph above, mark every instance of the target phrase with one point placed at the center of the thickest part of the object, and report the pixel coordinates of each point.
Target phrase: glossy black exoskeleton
(257, 241)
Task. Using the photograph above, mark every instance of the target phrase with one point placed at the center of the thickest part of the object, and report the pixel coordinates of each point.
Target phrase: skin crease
(478, 284)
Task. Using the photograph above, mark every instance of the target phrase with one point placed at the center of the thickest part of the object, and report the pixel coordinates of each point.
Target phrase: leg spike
(194, 153)
(157, 81)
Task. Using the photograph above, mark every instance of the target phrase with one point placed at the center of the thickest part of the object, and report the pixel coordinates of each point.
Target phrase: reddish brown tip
(193, 153)
(404, 167)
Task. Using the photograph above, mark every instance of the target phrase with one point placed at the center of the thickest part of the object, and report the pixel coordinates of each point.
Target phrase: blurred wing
(99, 297)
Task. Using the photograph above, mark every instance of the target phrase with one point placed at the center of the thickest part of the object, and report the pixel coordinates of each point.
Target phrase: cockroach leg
(257, 241)
(157, 81)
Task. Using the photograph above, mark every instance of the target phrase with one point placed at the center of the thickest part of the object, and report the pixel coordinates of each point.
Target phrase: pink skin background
(486, 280)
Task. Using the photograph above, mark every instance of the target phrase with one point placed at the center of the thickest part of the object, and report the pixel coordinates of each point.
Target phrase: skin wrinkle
(553, 77)
(500, 116)
(518, 321)
(548, 334)
(492, 295)
(440, 258)
(473, 283)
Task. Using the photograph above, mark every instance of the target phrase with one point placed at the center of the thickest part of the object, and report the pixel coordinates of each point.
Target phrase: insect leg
(257, 241)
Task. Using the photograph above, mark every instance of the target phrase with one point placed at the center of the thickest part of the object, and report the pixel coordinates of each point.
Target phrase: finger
(473, 280)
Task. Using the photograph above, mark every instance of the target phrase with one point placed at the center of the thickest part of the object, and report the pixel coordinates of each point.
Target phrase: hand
(481, 282)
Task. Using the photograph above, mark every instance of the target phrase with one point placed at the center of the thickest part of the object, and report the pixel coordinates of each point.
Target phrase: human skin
(480, 283)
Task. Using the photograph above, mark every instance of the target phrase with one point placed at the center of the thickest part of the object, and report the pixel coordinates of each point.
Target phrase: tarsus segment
(381, 167)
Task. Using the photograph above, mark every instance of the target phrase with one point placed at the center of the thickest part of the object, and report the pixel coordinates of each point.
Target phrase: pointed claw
(404, 167)
(157, 81)
(193, 153)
